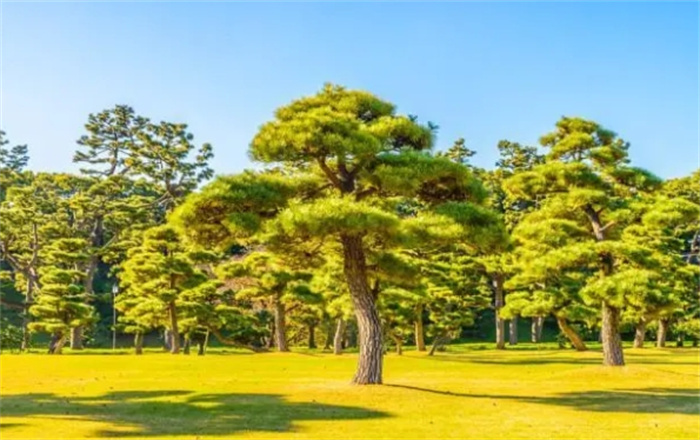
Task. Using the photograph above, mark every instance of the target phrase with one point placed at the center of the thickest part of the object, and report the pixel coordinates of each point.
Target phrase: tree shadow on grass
(558, 357)
(148, 414)
(642, 400)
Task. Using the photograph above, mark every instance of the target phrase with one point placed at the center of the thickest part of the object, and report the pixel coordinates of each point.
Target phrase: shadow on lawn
(187, 414)
(557, 357)
(643, 400)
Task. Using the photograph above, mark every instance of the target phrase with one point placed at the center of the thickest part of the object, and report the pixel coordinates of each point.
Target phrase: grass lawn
(463, 393)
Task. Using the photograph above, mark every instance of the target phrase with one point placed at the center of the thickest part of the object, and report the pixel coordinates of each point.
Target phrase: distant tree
(62, 303)
(268, 278)
(585, 180)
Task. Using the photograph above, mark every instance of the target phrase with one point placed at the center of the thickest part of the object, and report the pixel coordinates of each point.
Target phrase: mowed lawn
(462, 393)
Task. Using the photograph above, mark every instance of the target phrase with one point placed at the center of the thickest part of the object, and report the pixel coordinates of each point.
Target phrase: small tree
(61, 304)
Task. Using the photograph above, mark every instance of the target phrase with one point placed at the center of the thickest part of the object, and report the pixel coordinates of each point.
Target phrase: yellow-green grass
(461, 393)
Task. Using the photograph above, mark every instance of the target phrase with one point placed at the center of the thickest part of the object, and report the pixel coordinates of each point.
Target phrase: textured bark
(571, 335)
(536, 329)
(76, 338)
(175, 333)
(280, 326)
(312, 336)
(339, 335)
(513, 331)
(612, 343)
(639, 332)
(186, 345)
(369, 366)
(138, 343)
(418, 329)
(661, 333)
(498, 305)
(329, 337)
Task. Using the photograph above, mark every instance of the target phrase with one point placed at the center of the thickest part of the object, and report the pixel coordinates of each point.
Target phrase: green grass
(466, 392)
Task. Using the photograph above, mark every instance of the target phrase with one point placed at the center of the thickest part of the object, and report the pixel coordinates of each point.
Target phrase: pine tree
(357, 154)
(61, 304)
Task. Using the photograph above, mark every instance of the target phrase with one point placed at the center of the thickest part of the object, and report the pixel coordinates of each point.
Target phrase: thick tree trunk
(639, 332)
(498, 305)
(513, 331)
(76, 338)
(369, 366)
(312, 336)
(612, 343)
(536, 329)
(661, 333)
(175, 333)
(138, 343)
(339, 335)
(280, 326)
(571, 335)
(419, 332)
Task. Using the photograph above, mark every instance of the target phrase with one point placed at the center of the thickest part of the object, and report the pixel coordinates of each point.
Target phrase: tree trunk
(76, 338)
(418, 329)
(186, 345)
(661, 333)
(138, 343)
(280, 326)
(680, 339)
(167, 340)
(76, 335)
(571, 334)
(536, 329)
(175, 334)
(56, 344)
(339, 335)
(203, 342)
(513, 331)
(398, 342)
(369, 366)
(438, 342)
(26, 316)
(329, 337)
(271, 339)
(639, 332)
(312, 336)
(612, 344)
(498, 305)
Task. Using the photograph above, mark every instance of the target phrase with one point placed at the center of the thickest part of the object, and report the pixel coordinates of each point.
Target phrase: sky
(481, 71)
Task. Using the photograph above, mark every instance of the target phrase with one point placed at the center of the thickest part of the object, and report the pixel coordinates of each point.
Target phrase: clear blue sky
(482, 71)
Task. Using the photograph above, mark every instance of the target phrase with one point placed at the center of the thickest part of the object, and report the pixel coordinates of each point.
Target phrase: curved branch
(227, 341)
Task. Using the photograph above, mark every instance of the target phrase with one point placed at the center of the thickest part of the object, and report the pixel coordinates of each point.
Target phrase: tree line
(354, 227)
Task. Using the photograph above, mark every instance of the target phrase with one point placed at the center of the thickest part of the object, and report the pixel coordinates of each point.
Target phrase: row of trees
(351, 214)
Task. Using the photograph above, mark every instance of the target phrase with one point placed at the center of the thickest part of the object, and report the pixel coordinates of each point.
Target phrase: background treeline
(355, 233)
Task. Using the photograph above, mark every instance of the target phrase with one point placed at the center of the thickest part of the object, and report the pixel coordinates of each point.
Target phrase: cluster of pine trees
(354, 231)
